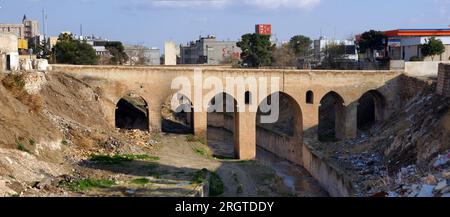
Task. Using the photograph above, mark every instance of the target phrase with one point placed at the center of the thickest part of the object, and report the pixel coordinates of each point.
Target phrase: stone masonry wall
(443, 86)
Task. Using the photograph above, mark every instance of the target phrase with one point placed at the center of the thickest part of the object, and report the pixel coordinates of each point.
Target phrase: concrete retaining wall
(280, 145)
(425, 69)
(329, 177)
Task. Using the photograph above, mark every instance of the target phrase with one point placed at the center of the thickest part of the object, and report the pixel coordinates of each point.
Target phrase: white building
(170, 53)
(9, 53)
(403, 44)
(321, 45)
(141, 55)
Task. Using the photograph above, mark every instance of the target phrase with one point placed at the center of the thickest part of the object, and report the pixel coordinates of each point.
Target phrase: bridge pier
(155, 118)
(349, 122)
(201, 125)
(245, 135)
(310, 114)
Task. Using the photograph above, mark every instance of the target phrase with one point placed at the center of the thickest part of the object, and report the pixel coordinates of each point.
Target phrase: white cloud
(270, 4)
(267, 4)
(191, 3)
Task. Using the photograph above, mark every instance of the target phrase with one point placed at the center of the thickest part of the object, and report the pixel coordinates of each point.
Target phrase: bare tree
(136, 54)
(284, 56)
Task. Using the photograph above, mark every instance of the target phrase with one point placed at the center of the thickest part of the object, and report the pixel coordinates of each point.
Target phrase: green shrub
(21, 147)
(14, 81)
(200, 176)
(87, 184)
(192, 138)
(32, 141)
(239, 190)
(118, 159)
(140, 181)
(416, 59)
(65, 142)
(216, 187)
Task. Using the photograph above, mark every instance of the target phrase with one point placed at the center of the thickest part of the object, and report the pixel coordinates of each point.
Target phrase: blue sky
(151, 22)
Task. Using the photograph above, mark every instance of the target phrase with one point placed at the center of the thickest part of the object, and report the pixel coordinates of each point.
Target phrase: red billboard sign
(263, 29)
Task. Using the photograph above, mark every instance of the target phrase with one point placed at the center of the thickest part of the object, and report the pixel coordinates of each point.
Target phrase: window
(248, 98)
(309, 97)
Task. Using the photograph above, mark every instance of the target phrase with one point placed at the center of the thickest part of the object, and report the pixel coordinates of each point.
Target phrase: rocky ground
(406, 156)
(54, 141)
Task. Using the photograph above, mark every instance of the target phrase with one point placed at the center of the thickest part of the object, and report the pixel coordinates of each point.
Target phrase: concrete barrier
(329, 177)
(422, 69)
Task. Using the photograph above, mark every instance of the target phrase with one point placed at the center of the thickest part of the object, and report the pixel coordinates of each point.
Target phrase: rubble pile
(409, 182)
(406, 156)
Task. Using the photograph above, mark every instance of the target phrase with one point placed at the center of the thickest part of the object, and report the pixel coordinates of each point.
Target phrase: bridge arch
(371, 109)
(177, 115)
(331, 117)
(222, 126)
(132, 113)
(284, 137)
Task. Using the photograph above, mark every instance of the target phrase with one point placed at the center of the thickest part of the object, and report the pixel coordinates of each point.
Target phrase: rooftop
(418, 32)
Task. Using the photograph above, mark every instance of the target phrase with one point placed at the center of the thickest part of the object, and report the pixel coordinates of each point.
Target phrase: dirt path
(240, 178)
(177, 152)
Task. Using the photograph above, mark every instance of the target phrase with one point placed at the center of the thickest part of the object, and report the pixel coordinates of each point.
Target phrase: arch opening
(284, 138)
(309, 97)
(177, 115)
(248, 97)
(370, 110)
(331, 118)
(132, 113)
(222, 123)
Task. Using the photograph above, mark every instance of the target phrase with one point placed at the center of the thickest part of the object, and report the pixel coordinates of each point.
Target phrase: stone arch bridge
(304, 91)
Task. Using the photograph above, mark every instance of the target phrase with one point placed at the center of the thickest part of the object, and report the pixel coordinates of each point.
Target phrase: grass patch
(140, 181)
(192, 138)
(200, 176)
(269, 177)
(153, 170)
(32, 141)
(21, 147)
(15, 84)
(118, 159)
(216, 187)
(87, 184)
(219, 157)
(14, 81)
(202, 150)
(239, 190)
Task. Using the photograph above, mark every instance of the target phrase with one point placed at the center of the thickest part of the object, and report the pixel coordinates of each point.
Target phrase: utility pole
(43, 22)
(44, 31)
(81, 30)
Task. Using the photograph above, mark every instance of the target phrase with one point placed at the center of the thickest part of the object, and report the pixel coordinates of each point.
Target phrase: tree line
(69, 50)
(259, 51)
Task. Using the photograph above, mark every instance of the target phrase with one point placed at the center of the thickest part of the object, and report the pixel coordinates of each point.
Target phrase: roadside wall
(422, 69)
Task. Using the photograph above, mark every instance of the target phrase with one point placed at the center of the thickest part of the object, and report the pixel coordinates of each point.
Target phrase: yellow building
(23, 44)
